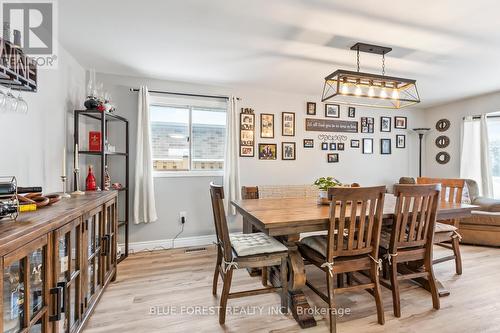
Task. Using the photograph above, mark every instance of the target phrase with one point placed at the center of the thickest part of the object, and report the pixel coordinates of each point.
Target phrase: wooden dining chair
(351, 245)
(244, 251)
(410, 239)
(448, 230)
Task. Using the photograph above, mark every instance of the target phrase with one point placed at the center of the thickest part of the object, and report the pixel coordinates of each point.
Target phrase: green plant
(324, 183)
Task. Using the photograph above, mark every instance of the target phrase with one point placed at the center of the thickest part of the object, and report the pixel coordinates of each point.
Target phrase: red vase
(90, 181)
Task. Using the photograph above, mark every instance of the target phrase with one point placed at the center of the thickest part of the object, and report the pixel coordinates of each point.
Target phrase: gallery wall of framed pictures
(247, 133)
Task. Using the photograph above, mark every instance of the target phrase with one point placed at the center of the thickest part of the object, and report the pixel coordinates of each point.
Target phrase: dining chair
(409, 240)
(236, 251)
(448, 230)
(351, 245)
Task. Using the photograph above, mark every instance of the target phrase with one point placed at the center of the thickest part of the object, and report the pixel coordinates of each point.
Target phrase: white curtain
(144, 194)
(475, 158)
(231, 157)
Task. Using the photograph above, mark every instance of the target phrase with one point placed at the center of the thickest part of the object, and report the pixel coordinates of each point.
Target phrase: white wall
(455, 112)
(191, 193)
(31, 145)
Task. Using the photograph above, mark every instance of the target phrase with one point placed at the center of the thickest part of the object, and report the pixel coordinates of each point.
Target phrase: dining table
(288, 218)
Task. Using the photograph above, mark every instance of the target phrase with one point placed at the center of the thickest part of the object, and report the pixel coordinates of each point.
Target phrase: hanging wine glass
(22, 106)
(11, 102)
(3, 99)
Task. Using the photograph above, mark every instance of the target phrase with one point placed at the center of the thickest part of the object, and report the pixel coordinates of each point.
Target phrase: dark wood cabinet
(55, 264)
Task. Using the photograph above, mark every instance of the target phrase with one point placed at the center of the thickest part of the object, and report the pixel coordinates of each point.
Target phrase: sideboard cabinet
(55, 264)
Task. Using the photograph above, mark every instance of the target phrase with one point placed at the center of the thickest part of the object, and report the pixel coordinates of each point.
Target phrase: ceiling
(451, 47)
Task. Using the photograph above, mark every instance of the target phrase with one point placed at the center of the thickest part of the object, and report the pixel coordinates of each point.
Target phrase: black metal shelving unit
(104, 118)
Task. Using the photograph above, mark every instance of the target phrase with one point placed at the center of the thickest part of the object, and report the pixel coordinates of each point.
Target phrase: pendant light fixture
(358, 88)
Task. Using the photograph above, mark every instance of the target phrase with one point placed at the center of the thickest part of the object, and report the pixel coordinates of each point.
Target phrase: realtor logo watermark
(32, 25)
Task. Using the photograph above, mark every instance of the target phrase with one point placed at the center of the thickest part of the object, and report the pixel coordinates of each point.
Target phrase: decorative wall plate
(443, 125)
(443, 157)
(442, 141)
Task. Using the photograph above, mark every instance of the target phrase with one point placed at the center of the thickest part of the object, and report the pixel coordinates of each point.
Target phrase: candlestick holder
(77, 183)
(64, 194)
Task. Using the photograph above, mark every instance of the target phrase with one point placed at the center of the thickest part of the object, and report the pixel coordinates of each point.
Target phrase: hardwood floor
(182, 282)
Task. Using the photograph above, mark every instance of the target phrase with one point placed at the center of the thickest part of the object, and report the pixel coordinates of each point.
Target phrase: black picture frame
(332, 158)
(332, 110)
(385, 146)
(262, 116)
(324, 146)
(367, 125)
(285, 121)
(355, 144)
(385, 124)
(367, 146)
(308, 143)
(285, 151)
(401, 138)
(333, 146)
(351, 112)
(274, 151)
(340, 146)
(398, 120)
(311, 109)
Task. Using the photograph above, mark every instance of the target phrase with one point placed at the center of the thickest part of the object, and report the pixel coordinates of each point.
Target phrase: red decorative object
(101, 107)
(90, 181)
(94, 141)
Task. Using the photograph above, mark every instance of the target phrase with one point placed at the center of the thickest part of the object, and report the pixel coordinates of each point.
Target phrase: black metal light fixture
(421, 131)
(366, 89)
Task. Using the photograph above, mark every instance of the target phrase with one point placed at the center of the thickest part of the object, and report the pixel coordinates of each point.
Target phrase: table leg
(248, 229)
(300, 308)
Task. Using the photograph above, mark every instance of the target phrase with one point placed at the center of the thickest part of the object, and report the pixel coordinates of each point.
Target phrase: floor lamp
(421, 132)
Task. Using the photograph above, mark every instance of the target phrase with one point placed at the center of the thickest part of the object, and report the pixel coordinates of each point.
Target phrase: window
(494, 146)
(187, 134)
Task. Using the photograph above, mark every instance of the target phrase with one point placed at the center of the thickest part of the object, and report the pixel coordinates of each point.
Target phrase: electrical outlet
(182, 217)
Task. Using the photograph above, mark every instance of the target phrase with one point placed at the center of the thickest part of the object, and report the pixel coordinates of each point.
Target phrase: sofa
(483, 227)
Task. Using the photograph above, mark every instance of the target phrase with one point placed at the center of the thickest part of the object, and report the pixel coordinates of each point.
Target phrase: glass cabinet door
(109, 238)
(68, 274)
(25, 293)
(92, 280)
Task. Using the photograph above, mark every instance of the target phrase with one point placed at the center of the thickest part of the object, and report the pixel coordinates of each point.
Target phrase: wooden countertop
(31, 225)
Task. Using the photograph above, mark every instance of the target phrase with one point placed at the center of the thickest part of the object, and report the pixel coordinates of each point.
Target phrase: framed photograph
(385, 124)
(385, 146)
(400, 122)
(367, 146)
(267, 125)
(247, 121)
(340, 146)
(367, 124)
(267, 151)
(332, 110)
(247, 137)
(246, 151)
(308, 143)
(401, 141)
(324, 146)
(354, 143)
(333, 146)
(333, 158)
(288, 124)
(288, 150)
(351, 112)
(311, 109)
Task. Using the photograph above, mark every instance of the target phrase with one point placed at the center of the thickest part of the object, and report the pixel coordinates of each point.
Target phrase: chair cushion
(317, 243)
(256, 243)
(385, 238)
(443, 228)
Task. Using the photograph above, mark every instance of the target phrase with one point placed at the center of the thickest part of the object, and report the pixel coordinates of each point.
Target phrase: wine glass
(22, 106)
(3, 99)
(11, 102)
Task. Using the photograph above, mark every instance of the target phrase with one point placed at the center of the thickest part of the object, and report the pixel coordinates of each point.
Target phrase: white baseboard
(163, 244)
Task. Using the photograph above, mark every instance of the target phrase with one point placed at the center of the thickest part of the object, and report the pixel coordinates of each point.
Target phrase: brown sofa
(483, 227)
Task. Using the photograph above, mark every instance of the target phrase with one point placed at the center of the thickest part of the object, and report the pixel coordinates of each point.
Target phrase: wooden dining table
(287, 218)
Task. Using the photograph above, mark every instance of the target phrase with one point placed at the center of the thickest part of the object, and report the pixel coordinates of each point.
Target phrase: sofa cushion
(482, 218)
(487, 204)
(256, 243)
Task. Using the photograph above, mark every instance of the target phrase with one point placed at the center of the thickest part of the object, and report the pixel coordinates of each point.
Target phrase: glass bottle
(107, 179)
(90, 181)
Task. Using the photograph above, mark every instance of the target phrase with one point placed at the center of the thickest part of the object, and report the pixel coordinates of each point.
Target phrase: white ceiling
(451, 47)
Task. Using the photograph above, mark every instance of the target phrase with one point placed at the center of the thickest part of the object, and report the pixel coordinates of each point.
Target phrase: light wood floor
(178, 280)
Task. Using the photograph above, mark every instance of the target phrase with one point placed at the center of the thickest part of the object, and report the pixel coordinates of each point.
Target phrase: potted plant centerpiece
(323, 184)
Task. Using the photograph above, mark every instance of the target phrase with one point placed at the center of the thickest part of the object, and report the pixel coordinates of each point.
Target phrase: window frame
(165, 102)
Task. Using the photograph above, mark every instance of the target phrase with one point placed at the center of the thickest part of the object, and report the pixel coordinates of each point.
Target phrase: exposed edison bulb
(371, 91)
(357, 92)
(383, 92)
(395, 94)
(345, 89)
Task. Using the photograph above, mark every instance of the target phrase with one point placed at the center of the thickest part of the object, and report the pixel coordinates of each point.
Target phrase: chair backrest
(414, 216)
(249, 192)
(451, 189)
(221, 229)
(407, 180)
(355, 220)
